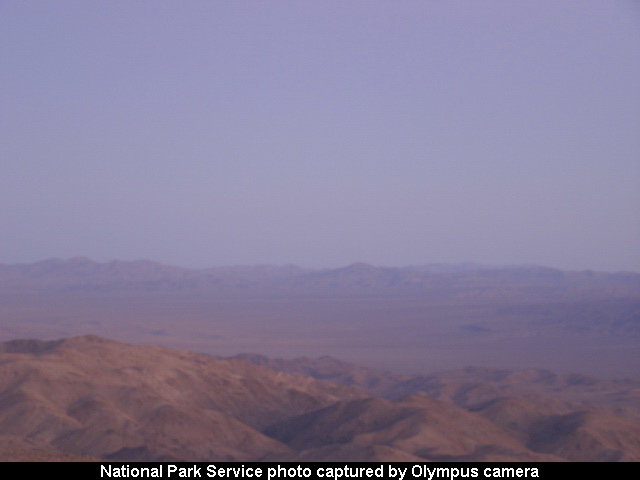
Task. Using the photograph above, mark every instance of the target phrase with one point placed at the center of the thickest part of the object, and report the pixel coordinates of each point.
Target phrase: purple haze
(322, 133)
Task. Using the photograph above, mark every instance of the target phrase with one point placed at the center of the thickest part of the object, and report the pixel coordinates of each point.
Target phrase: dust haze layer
(412, 319)
(322, 133)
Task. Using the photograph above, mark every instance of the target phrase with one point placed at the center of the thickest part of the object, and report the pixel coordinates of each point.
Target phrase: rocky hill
(92, 396)
(89, 397)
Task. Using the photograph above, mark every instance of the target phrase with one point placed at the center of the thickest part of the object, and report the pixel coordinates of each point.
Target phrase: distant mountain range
(439, 279)
(89, 397)
(436, 316)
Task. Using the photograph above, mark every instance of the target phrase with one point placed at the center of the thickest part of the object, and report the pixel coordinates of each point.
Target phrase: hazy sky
(320, 133)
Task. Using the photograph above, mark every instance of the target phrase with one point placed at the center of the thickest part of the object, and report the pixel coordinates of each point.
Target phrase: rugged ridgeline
(573, 416)
(414, 320)
(97, 397)
(83, 274)
(91, 397)
(472, 387)
(536, 298)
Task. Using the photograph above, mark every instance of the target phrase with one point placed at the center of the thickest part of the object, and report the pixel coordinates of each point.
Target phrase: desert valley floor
(547, 351)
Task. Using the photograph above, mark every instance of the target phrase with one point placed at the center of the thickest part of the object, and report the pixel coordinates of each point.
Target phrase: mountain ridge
(91, 397)
(82, 273)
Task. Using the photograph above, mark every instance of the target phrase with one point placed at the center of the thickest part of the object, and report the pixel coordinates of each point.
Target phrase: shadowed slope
(88, 396)
(420, 426)
(98, 397)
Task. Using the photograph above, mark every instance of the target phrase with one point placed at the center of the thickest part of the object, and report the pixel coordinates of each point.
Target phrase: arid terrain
(409, 320)
(89, 397)
(143, 361)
